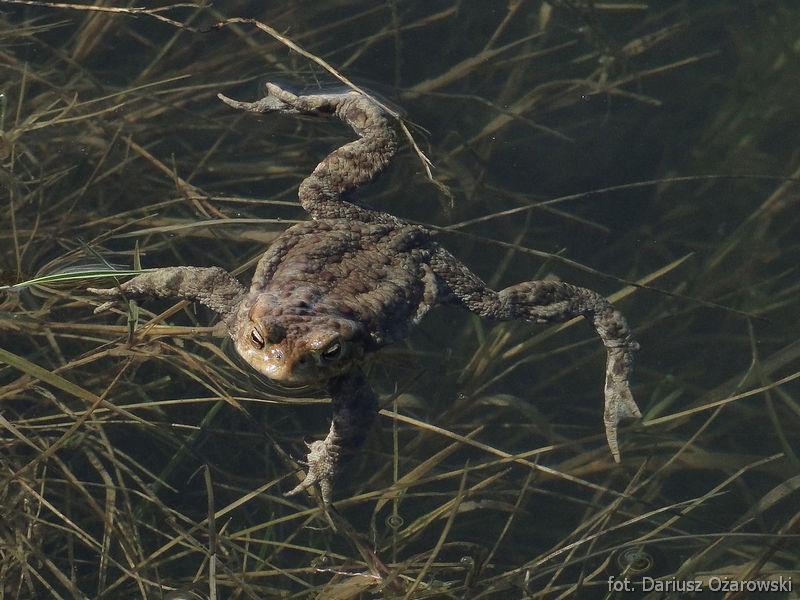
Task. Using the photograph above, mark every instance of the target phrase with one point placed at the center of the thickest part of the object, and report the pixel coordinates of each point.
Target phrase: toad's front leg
(354, 408)
(210, 286)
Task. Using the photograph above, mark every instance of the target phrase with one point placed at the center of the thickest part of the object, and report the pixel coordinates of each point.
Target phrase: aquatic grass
(71, 277)
(619, 146)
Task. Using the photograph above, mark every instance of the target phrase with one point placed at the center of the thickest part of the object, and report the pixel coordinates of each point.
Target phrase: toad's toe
(620, 405)
(105, 293)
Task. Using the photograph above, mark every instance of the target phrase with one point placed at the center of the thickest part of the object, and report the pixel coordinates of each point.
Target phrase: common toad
(351, 280)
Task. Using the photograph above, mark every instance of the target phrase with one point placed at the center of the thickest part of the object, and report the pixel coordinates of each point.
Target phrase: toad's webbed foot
(553, 302)
(346, 168)
(354, 408)
(212, 287)
(323, 460)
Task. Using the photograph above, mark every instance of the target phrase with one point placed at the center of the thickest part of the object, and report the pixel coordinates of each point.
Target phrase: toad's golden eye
(256, 339)
(333, 351)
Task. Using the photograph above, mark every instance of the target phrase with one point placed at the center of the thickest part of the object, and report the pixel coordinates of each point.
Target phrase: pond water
(646, 150)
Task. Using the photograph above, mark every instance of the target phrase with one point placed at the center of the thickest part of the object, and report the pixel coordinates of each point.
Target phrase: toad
(331, 290)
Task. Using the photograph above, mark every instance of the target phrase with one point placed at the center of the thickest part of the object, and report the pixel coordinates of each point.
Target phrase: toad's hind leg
(553, 302)
(346, 168)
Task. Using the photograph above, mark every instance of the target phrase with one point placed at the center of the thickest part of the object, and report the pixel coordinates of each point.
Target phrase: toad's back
(373, 273)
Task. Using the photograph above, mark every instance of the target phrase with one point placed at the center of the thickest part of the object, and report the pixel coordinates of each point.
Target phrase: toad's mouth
(287, 369)
(294, 387)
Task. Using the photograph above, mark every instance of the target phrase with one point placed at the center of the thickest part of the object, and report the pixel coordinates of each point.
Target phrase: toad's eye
(333, 351)
(256, 339)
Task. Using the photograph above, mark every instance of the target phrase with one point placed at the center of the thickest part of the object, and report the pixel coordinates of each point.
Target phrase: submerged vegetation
(645, 149)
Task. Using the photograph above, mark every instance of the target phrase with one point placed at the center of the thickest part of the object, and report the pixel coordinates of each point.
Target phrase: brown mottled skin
(353, 279)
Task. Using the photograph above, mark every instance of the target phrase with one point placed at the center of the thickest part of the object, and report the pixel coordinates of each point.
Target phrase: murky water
(645, 150)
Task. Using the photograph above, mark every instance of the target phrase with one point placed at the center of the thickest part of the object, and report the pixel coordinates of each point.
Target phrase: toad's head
(299, 349)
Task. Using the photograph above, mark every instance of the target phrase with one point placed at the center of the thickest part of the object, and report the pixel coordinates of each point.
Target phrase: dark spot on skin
(275, 333)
